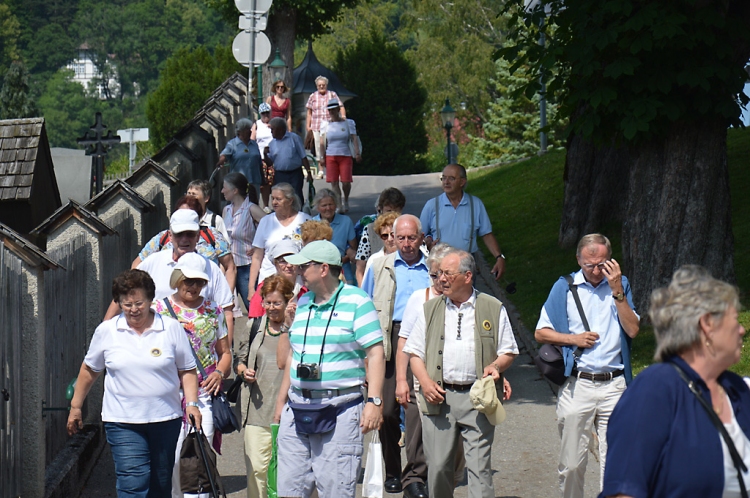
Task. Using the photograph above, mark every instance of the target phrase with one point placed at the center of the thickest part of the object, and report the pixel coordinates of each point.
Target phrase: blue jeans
(243, 282)
(144, 455)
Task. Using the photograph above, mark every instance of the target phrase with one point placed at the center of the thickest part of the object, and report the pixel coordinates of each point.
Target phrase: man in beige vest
(390, 282)
(457, 339)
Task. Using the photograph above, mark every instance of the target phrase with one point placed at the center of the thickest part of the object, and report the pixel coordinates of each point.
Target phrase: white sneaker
(320, 175)
(345, 208)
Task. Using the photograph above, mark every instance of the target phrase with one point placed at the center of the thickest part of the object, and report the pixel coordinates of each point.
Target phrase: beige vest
(384, 297)
(486, 323)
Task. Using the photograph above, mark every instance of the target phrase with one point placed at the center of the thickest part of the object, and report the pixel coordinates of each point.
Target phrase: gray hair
(321, 78)
(466, 262)
(408, 217)
(278, 122)
(203, 186)
(591, 239)
(325, 193)
(242, 124)
(461, 169)
(437, 253)
(676, 310)
(289, 193)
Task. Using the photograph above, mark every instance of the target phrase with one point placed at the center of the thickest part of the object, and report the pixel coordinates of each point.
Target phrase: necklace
(268, 329)
(720, 406)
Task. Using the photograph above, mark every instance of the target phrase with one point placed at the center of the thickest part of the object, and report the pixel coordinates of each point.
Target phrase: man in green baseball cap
(321, 397)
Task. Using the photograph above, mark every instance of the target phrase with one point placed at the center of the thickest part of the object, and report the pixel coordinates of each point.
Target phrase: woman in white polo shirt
(146, 357)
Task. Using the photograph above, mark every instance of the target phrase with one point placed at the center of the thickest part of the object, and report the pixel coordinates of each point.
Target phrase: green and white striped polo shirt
(354, 327)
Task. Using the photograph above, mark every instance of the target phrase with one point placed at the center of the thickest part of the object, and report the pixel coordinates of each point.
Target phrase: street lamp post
(278, 67)
(447, 115)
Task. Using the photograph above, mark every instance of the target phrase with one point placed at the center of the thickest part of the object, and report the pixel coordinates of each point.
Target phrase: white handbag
(372, 483)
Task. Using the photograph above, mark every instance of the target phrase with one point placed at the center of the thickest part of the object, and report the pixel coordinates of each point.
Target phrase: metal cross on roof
(97, 144)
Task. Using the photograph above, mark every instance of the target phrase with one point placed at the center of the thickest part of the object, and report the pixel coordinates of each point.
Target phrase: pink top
(279, 111)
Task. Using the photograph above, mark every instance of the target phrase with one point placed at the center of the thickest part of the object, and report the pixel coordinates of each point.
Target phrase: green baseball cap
(319, 251)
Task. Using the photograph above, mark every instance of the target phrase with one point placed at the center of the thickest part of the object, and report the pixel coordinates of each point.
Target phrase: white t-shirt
(741, 442)
(269, 232)
(338, 135)
(218, 224)
(413, 306)
(160, 265)
(142, 384)
(263, 136)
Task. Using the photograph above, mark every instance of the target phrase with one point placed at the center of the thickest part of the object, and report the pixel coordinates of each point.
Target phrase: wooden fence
(12, 293)
(67, 338)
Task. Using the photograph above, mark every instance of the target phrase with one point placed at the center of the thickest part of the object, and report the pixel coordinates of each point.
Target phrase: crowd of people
(378, 326)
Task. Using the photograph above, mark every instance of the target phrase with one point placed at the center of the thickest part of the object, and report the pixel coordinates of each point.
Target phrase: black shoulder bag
(550, 361)
(225, 420)
(736, 458)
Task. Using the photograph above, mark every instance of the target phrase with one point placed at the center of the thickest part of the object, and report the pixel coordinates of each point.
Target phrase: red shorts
(339, 166)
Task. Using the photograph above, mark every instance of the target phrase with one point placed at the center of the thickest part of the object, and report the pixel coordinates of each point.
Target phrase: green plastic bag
(274, 463)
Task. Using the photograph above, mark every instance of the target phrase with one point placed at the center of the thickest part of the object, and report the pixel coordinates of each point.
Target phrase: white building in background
(87, 74)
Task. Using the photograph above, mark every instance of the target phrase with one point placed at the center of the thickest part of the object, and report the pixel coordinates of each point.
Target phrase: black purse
(225, 421)
(549, 360)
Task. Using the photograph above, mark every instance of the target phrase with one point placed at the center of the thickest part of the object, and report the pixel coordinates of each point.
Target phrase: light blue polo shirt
(287, 154)
(343, 231)
(244, 159)
(408, 280)
(455, 223)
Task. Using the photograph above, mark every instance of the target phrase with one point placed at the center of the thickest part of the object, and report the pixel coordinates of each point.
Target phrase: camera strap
(325, 332)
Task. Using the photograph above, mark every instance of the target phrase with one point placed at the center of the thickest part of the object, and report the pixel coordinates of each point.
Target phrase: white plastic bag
(372, 484)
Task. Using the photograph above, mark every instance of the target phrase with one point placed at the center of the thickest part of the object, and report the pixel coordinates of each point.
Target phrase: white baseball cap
(190, 265)
(184, 220)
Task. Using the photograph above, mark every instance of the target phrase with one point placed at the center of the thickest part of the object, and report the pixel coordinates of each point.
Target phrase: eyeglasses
(386, 236)
(591, 267)
(194, 282)
(280, 86)
(137, 305)
(449, 179)
(189, 235)
(410, 238)
(449, 275)
(282, 262)
(303, 267)
(433, 276)
(270, 305)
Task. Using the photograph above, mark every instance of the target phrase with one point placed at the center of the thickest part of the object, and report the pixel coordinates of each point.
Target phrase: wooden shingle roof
(19, 143)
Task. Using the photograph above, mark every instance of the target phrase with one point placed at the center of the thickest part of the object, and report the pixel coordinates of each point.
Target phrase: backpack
(205, 235)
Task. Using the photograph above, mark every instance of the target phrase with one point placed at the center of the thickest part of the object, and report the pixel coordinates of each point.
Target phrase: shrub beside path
(524, 454)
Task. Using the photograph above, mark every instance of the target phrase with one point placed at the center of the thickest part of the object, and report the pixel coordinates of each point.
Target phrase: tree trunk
(678, 208)
(595, 179)
(281, 31)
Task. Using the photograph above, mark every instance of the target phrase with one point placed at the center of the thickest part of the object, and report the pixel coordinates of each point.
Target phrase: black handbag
(225, 421)
(549, 359)
(198, 472)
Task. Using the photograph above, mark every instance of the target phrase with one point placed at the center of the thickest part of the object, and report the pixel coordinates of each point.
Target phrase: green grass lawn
(524, 201)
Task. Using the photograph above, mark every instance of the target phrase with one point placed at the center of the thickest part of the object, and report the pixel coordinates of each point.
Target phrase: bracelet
(192, 403)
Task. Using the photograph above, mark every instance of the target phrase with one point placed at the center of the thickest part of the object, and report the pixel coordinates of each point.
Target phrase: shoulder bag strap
(736, 458)
(198, 363)
(256, 343)
(574, 290)
(471, 233)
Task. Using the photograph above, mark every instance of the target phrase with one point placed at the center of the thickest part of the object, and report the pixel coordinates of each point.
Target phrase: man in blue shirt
(598, 377)
(286, 154)
(390, 282)
(456, 218)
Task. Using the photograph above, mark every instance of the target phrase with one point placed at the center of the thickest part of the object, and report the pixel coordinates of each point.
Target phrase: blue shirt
(408, 280)
(287, 154)
(244, 159)
(661, 442)
(601, 312)
(455, 223)
(343, 231)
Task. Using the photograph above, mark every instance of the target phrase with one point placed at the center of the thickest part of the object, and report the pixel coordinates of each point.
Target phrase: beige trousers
(258, 450)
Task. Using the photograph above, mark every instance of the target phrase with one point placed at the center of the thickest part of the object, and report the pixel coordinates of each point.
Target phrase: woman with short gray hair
(326, 203)
(681, 429)
(283, 223)
(243, 154)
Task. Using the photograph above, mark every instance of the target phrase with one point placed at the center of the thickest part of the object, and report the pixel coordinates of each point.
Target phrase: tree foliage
(633, 68)
(389, 108)
(15, 98)
(512, 126)
(188, 79)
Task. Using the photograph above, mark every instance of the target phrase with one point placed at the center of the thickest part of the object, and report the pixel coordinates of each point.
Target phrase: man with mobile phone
(592, 317)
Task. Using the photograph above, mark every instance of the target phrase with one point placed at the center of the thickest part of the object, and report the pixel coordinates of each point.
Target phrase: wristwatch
(192, 403)
(619, 296)
(375, 401)
(501, 255)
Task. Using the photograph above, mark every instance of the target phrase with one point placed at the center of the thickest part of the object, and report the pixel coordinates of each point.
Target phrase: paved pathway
(524, 456)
